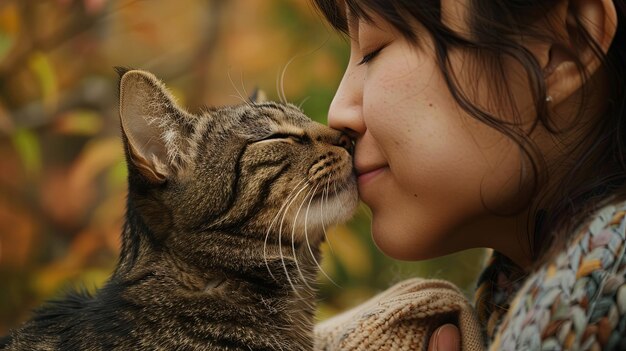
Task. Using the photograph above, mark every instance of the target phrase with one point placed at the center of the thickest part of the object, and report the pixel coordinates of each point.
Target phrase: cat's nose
(345, 142)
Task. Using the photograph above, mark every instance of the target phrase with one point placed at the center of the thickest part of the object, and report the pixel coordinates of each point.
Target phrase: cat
(225, 214)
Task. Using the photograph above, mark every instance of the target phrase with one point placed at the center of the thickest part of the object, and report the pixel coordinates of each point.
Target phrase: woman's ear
(598, 18)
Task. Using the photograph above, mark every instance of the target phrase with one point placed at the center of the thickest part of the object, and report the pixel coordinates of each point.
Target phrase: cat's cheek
(347, 203)
(328, 210)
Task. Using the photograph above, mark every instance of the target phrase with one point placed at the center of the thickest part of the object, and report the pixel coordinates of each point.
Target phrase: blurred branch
(198, 64)
(93, 94)
(29, 42)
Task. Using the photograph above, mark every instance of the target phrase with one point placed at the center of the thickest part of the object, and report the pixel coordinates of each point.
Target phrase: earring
(549, 98)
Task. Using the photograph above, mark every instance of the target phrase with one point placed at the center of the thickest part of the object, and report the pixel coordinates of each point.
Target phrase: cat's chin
(326, 210)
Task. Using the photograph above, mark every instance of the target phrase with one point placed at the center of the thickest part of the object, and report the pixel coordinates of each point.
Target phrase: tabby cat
(225, 214)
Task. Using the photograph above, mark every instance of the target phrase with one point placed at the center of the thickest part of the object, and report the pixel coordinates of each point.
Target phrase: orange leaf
(17, 233)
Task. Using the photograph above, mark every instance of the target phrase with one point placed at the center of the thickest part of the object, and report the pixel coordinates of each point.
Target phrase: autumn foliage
(62, 171)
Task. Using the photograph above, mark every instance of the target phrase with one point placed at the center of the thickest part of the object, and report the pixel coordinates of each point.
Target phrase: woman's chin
(389, 242)
(402, 244)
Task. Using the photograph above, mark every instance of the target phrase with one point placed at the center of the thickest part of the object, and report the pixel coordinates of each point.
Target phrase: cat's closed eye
(285, 137)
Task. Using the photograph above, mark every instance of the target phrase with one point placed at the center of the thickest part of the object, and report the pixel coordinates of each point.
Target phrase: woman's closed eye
(370, 56)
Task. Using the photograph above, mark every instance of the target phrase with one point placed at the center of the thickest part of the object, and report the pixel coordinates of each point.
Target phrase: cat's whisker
(293, 234)
(278, 88)
(336, 194)
(235, 87)
(243, 87)
(269, 229)
(302, 102)
(280, 245)
(278, 213)
(308, 244)
(238, 97)
(335, 188)
(323, 213)
(282, 79)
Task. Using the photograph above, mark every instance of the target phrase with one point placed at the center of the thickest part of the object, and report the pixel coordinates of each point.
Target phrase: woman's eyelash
(367, 58)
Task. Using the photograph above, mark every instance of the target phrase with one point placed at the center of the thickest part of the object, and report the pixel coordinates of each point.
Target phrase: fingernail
(447, 339)
(436, 337)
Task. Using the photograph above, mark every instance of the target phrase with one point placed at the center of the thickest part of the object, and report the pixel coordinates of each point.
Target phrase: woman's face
(432, 175)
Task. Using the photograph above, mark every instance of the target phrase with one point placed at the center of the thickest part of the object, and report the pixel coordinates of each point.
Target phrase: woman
(498, 124)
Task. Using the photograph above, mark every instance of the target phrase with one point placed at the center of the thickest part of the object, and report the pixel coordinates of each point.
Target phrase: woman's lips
(367, 176)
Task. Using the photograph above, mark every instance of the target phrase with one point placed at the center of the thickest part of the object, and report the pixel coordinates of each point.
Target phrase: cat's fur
(225, 215)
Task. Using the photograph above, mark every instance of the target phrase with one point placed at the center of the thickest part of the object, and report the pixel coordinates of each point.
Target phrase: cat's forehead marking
(283, 118)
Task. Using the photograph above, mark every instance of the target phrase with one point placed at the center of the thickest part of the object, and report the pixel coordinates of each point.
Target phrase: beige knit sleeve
(402, 318)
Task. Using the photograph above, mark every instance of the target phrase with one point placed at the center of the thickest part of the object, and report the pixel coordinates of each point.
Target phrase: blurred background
(62, 172)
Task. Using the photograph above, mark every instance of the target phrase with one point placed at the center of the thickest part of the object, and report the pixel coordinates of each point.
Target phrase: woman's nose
(345, 113)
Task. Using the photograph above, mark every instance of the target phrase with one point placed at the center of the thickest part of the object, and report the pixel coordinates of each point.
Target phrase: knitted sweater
(575, 301)
(401, 318)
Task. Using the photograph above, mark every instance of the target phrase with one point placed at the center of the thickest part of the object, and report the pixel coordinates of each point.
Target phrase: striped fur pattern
(220, 250)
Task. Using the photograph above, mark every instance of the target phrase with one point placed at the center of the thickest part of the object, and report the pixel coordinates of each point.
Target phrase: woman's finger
(445, 338)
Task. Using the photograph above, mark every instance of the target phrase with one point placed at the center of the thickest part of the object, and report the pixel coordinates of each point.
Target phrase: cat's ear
(149, 118)
(258, 96)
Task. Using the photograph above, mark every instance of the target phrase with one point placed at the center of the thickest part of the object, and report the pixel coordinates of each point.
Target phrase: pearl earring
(549, 98)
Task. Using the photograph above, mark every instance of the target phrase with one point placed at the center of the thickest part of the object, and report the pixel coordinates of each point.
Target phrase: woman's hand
(445, 338)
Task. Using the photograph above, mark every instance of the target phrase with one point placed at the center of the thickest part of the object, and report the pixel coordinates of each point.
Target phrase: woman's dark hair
(598, 173)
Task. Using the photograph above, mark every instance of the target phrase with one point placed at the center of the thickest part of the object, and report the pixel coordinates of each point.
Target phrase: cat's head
(254, 169)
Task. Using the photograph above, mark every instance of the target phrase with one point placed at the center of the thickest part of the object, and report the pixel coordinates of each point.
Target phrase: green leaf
(6, 42)
(79, 122)
(41, 66)
(27, 146)
(117, 174)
